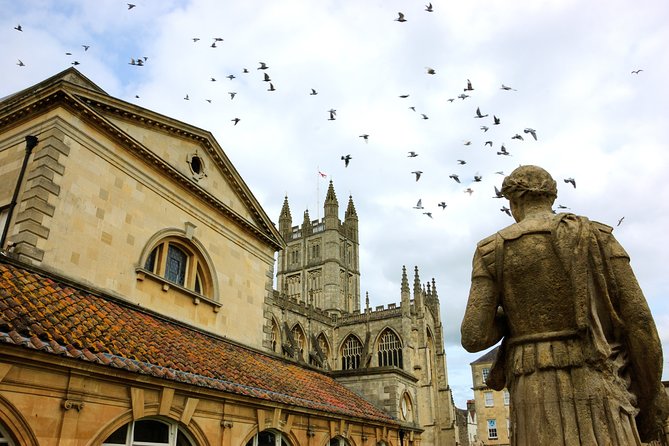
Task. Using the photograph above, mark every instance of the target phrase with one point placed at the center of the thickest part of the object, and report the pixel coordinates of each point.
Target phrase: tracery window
(5, 439)
(390, 349)
(149, 432)
(275, 336)
(300, 341)
(351, 353)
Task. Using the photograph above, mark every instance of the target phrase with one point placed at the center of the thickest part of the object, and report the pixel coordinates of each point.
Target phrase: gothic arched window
(351, 353)
(300, 339)
(390, 349)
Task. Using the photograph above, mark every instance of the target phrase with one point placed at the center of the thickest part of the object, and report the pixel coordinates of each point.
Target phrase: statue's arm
(482, 326)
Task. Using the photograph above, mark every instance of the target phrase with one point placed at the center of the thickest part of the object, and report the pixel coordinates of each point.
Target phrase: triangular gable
(124, 121)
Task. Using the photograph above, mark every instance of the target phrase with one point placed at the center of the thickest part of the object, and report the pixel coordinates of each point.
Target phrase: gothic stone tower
(319, 266)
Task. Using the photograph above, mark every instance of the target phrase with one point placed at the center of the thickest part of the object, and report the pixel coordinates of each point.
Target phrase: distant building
(491, 406)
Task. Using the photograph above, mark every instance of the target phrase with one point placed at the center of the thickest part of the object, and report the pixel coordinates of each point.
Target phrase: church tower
(320, 265)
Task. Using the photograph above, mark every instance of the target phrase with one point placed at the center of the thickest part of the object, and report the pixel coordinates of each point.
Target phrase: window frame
(491, 424)
(488, 399)
(351, 355)
(174, 433)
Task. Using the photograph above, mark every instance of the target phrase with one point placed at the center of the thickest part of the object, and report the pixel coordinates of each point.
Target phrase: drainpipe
(31, 143)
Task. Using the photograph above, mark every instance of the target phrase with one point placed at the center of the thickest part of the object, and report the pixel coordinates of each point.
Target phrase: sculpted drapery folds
(580, 353)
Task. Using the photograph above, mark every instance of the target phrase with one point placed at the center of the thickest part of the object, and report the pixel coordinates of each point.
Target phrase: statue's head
(529, 182)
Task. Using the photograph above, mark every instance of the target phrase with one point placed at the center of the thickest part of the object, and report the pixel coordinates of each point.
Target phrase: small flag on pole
(323, 175)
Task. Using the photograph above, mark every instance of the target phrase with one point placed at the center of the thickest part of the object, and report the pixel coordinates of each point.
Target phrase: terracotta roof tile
(39, 313)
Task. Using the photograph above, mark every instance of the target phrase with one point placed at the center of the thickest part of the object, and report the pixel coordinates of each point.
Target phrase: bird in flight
(484, 128)
(130, 6)
(496, 120)
(20, 63)
(313, 92)
(86, 47)
(263, 66)
(186, 98)
(507, 88)
(424, 116)
(404, 96)
(235, 120)
(450, 99)
(333, 113)
(531, 132)
(195, 39)
(455, 177)
(430, 70)
(271, 87)
(633, 71)
(429, 8)
(467, 143)
(266, 77)
(469, 191)
(419, 204)
(469, 86)
(507, 210)
(487, 143)
(347, 159)
(620, 220)
(442, 205)
(400, 17)
(570, 180)
(231, 76)
(462, 162)
(478, 113)
(478, 178)
(429, 214)
(18, 28)
(232, 94)
(417, 173)
(517, 136)
(498, 193)
(500, 172)
(365, 136)
(412, 154)
(503, 151)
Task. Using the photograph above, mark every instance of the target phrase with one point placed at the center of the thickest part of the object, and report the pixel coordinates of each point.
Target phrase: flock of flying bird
(332, 116)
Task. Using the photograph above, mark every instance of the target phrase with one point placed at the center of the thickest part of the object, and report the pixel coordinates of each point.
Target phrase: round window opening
(196, 164)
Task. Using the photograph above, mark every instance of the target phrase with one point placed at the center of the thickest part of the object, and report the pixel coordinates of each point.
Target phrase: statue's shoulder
(527, 226)
(602, 227)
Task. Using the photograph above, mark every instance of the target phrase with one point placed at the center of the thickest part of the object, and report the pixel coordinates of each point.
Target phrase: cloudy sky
(569, 65)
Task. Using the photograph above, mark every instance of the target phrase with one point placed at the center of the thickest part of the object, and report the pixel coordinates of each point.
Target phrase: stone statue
(580, 354)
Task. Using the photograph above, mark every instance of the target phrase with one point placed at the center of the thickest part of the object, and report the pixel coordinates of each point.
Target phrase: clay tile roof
(488, 357)
(39, 313)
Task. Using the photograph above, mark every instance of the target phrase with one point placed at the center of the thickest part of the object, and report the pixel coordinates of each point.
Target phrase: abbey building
(129, 247)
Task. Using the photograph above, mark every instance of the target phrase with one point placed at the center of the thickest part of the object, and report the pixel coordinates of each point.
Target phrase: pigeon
(478, 178)
(430, 70)
(313, 92)
(507, 210)
(498, 193)
(333, 113)
(218, 39)
(263, 66)
(186, 98)
(469, 191)
(500, 172)
(633, 71)
(232, 94)
(208, 100)
(412, 154)
(231, 76)
(484, 128)
(400, 17)
(561, 206)
(463, 96)
(75, 63)
(20, 63)
(412, 108)
(478, 113)
(504, 87)
(469, 86)
(450, 99)
(364, 136)
(429, 214)
(404, 96)
(213, 45)
(503, 151)
(130, 6)
(487, 143)
(570, 180)
(462, 162)
(347, 159)
(245, 70)
(517, 136)
(429, 8)
(531, 132)
(235, 120)
(442, 205)
(195, 39)
(496, 120)
(266, 78)
(417, 173)
(455, 177)
(213, 79)
(424, 116)
(467, 143)
(620, 220)
(271, 87)
(419, 204)
(86, 47)
(18, 28)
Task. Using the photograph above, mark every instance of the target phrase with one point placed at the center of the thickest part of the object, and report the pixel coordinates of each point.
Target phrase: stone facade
(392, 355)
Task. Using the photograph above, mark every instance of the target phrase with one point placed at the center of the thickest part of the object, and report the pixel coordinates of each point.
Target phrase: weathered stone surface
(580, 352)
